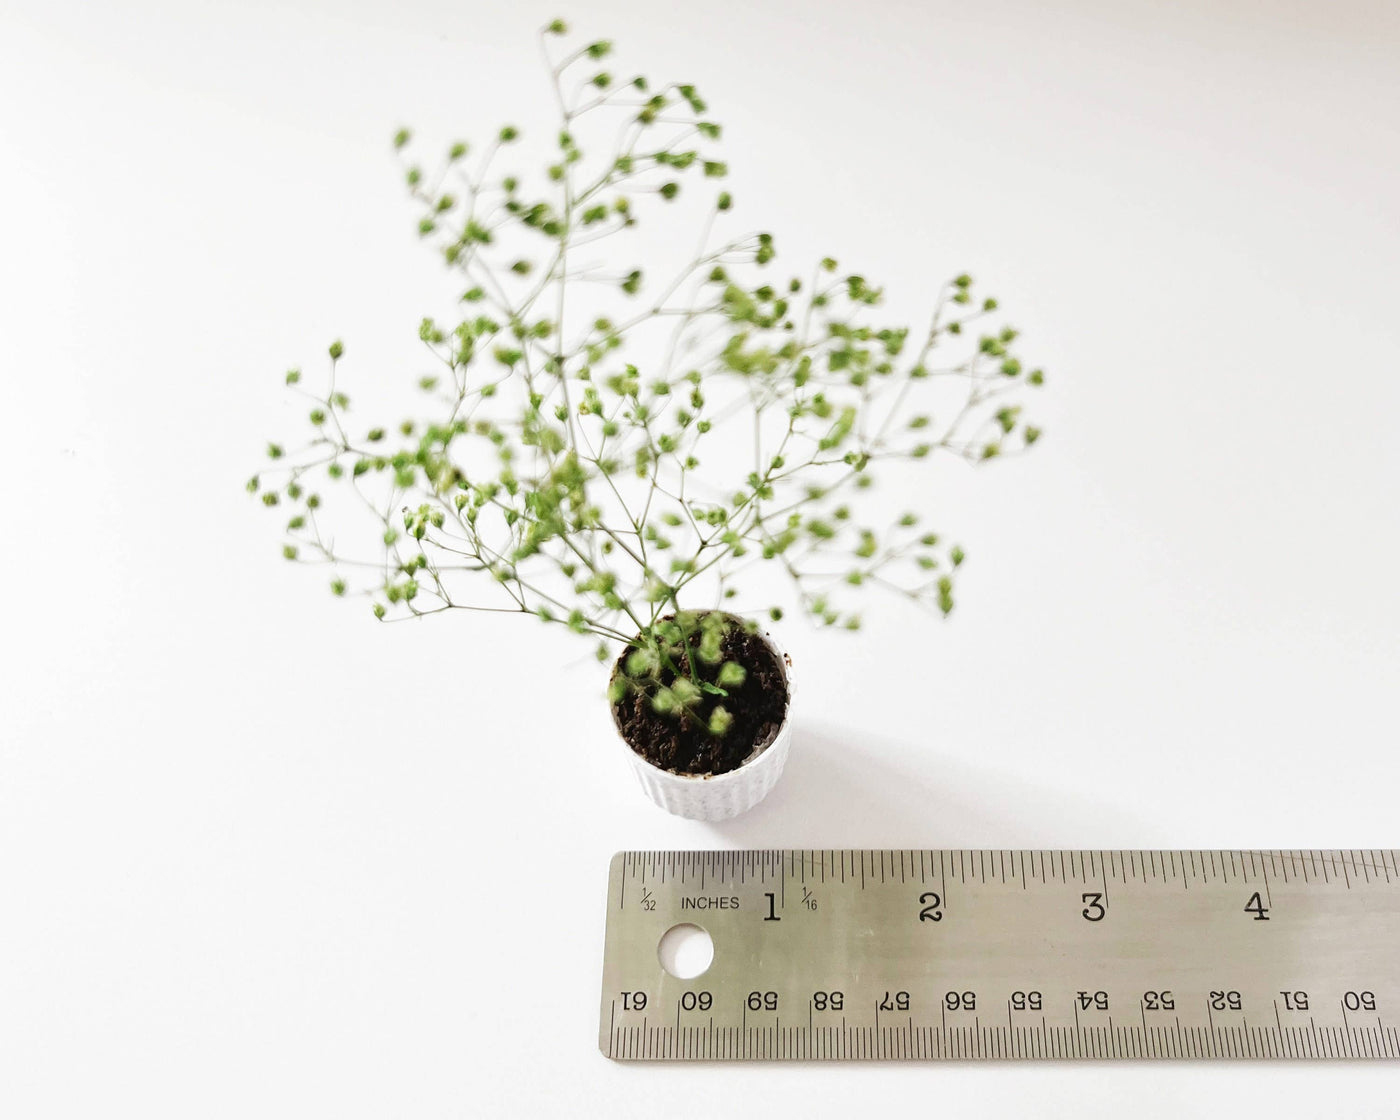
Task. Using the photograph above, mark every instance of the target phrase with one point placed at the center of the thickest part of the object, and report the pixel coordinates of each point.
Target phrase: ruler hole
(685, 951)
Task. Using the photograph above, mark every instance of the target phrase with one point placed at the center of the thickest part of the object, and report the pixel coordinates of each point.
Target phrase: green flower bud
(641, 663)
(686, 692)
(665, 701)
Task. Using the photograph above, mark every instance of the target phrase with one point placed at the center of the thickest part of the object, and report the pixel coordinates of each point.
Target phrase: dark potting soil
(685, 746)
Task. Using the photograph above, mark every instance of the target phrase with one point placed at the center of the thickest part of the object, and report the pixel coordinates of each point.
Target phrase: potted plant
(628, 448)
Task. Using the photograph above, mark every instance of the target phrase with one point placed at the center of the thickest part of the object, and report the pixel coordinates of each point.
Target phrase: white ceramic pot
(717, 797)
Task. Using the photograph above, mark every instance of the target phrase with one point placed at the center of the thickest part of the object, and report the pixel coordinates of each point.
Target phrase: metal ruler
(926, 955)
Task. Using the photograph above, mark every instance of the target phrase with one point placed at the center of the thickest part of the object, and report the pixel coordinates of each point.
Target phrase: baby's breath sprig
(568, 460)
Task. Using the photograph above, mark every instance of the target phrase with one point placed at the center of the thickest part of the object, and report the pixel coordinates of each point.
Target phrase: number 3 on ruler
(1093, 909)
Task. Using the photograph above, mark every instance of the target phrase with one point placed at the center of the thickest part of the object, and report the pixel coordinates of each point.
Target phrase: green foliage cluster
(567, 460)
(680, 660)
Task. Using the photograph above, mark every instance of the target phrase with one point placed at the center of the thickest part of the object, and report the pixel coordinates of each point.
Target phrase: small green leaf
(641, 663)
(665, 701)
(685, 691)
(732, 674)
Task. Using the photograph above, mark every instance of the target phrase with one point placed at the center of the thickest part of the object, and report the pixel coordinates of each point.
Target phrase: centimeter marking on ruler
(954, 954)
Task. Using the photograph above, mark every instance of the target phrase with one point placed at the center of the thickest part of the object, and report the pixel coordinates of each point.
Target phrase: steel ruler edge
(976, 954)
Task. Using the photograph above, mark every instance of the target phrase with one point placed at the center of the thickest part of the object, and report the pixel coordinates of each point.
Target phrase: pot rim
(784, 664)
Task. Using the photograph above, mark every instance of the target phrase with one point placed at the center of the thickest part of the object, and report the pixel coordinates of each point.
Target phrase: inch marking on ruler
(926, 955)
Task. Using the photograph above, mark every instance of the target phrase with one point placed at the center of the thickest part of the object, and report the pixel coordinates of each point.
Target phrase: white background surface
(262, 856)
